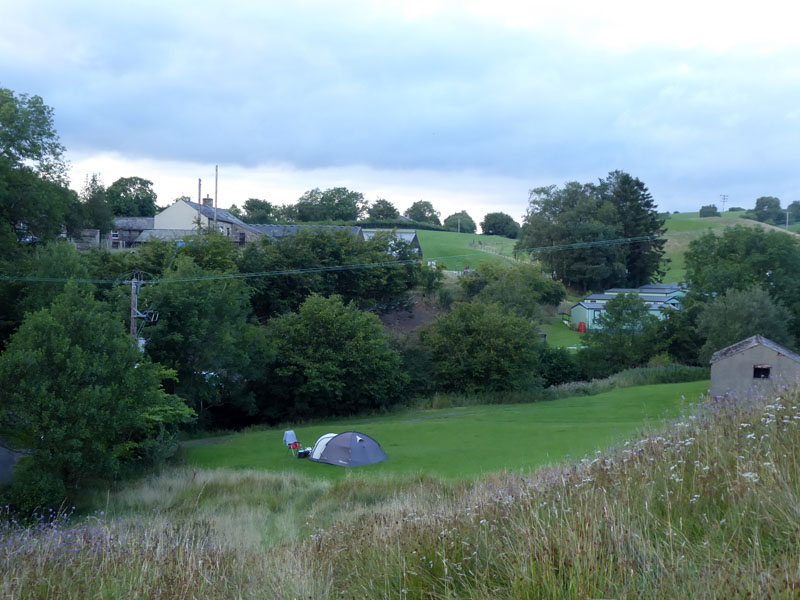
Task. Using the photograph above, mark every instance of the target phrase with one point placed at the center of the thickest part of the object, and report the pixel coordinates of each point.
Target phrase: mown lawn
(559, 335)
(464, 443)
(459, 250)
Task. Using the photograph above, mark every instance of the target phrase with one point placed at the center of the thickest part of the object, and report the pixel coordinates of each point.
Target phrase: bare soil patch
(406, 322)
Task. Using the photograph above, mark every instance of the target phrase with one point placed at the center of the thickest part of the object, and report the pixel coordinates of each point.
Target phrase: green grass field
(464, 443)
(459, 250)
(684, 227)
(559, 335)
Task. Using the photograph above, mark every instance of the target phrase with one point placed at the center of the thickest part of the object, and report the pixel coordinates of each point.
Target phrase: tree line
(767, 210)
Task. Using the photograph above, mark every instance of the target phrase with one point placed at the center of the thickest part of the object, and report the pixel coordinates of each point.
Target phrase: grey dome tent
(350, 449)
(319, 447)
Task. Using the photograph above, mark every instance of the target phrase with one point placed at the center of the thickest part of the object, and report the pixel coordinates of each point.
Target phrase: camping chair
(290, 439)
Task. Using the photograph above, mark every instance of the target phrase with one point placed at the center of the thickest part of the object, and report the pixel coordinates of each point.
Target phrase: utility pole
(135, 284)
(199, 191)
(147, 316)
(724, 200)
(459, 224)
(216, 177)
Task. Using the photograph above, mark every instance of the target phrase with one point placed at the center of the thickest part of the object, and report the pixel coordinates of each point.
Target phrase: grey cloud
(317, 87)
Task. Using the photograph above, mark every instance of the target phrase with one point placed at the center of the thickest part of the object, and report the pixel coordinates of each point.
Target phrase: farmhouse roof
(280, 232)
(134, 223)
(166, 235)
(752, 342)
(222, 215)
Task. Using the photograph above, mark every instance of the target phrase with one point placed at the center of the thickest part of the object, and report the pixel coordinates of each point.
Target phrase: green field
(684, 227)
(459, 250)
(464, 443)
(559, 335)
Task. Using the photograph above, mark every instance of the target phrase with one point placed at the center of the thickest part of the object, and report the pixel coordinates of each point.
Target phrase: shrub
(34, 489)
(331, 359)
(709, 211)
(478, 347)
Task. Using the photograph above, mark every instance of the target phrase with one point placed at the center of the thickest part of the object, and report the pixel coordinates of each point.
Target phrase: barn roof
(134, 223)
(752, 342)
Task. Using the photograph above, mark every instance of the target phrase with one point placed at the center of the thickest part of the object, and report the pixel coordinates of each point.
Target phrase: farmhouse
(127, 229)
(185, 215)
(186, 218)
(753, 365)
(402, 235)
(657, 298)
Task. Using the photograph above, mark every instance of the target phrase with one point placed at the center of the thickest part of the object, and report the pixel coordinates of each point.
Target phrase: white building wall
(179, 216)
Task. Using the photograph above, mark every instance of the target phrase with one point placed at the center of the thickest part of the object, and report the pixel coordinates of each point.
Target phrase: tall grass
(708, 507)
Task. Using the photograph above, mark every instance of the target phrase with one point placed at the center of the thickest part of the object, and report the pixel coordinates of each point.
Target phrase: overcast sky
(468, 105)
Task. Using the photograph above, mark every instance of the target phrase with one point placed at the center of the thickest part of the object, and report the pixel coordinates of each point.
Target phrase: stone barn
(753, 365)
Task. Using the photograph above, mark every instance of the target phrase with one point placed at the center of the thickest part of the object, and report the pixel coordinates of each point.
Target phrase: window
(761, 371)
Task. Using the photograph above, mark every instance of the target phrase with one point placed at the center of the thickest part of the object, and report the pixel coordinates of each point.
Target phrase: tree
(606, 235)
(258, 211)
(461, 222)
(767, 210)
(96, 211)
(202, 333)
(80, 394)
(334, 204)
(58, 261)
(574, 215)
(375, 288)
(637, 217)
(382, 210)
(739, 314)
(132, 197)
(709, 210)
(498, 223)
(518, 288)
(626, 337)
(480, 347)
(741, 257)
(36, 207)
(794, 211)
(331, 360)
(27, 136)
(422, 211)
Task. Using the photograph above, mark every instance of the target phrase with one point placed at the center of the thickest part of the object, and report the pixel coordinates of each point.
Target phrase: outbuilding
(755, 365)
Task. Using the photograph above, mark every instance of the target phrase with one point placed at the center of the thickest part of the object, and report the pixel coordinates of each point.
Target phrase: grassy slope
(559, 335)
(459, 250)
(685, 227)
(466, 442)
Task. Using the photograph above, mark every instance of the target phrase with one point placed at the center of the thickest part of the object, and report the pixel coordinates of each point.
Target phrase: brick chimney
(208, 201)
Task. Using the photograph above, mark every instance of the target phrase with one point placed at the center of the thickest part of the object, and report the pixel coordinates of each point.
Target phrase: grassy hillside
(466, 442)
(706, 507)
(684, 227)
(459, 250)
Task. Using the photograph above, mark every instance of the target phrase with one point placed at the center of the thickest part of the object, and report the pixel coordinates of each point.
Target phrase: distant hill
(459, 250)
(682, 228)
